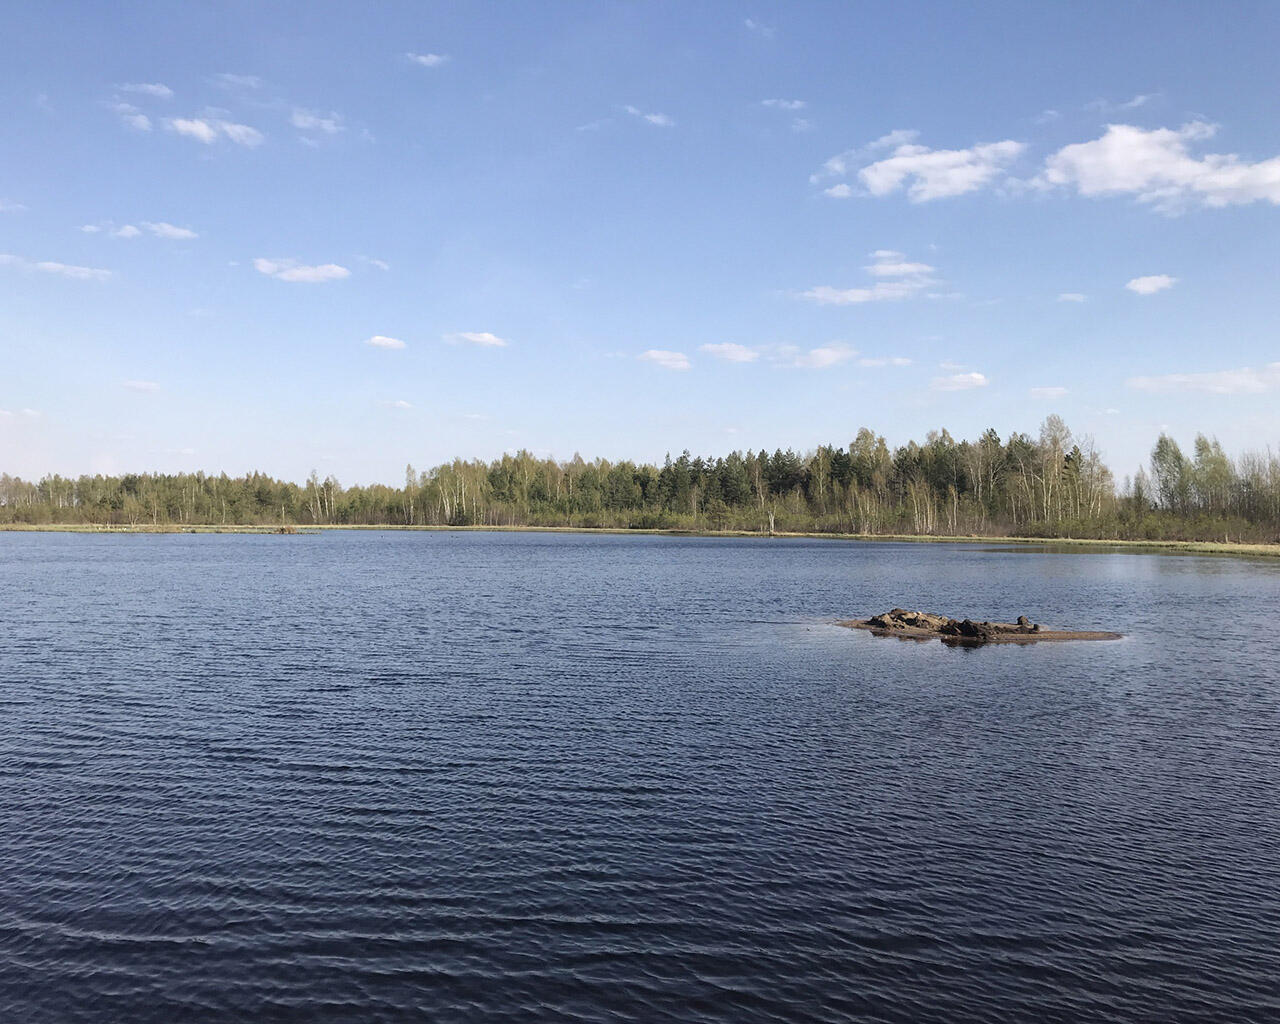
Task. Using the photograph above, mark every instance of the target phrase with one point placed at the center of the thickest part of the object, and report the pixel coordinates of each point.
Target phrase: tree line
(1052, 484)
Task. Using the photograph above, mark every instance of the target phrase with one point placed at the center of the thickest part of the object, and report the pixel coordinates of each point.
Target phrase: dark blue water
(499, 777)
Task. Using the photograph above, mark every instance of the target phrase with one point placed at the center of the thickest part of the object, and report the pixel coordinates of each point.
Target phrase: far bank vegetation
(1048, 485)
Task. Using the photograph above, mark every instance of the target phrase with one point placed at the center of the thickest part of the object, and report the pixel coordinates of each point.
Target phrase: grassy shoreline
(1084, 544)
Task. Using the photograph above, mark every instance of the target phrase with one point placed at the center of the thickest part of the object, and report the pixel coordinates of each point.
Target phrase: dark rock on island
(908, 625)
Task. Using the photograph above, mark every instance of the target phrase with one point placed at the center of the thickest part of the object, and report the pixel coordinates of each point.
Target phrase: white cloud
(241, 134)
(802, 124)
(1157, 168)
(893, 139)
(309, 121)
(195, 128)
(1245, 381)
(667, 360)
(398, 403)
(732, 352)
(291, 270)
(881, 291)
(758, 27)
(156, 89)
(661, 120)
(229, 81)
(840, 191)
(132, 117)
(1141, 100)
(890, 264)
(162, 229)
(898, 279)
(1151, 284)
(840, 164)
(146, 386)
(1045, 116)
(926, 173)
(208, 130)
(938, 173)
(1051, 392)
(427, 60)
(958, 382)
(8, 207)
(481, 338)
(382, 341)
(819, 358)
(380, 264)
(885, 361)
(824, 356)
(784, 104)
(60, 269)
(1071, 297)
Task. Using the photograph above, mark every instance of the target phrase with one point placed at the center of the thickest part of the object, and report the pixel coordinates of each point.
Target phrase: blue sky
(241, 236)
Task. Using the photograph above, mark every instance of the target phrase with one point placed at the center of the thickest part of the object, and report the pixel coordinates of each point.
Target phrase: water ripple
(402, 777)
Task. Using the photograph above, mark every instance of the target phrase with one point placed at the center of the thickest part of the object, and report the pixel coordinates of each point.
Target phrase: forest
(1048, 485)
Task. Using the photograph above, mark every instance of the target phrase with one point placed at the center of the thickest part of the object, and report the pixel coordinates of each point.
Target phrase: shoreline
(1029, 543)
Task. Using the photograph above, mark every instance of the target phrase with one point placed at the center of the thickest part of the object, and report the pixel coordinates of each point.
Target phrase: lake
(393, 776)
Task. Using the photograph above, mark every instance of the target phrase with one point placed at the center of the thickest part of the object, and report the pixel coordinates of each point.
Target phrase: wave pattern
(394, 777)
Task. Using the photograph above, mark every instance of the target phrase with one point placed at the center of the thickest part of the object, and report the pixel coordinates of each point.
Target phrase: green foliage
(1052, 485)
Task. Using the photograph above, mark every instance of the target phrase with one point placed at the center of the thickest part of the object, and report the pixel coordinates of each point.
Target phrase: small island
(908, 625)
